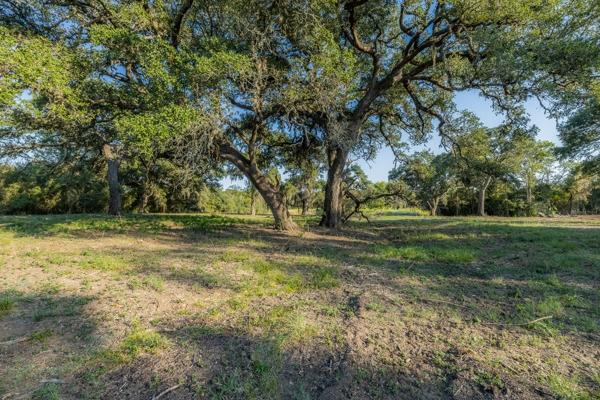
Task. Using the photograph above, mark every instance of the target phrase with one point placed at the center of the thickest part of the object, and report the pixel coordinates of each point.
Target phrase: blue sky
(377, 170)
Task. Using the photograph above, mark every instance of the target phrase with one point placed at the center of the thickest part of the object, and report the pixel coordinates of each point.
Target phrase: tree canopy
(261, 85)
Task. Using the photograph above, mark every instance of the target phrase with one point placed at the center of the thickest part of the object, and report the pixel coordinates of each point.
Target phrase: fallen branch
(523, 324)
(358, 203)
(161, 394)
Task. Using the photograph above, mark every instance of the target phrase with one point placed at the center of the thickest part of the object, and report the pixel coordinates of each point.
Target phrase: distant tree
(484, 154)
(407, 58)
(215, 80)
(580, 135)
(430, 176)
(359, 192)
(305, 180)
(579, 186)
(536, 159)
(47, 101)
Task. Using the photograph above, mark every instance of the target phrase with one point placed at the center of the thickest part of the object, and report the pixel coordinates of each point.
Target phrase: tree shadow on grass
(498, 273)
(208, 362)
(485, 283)
(41, 335)
(76, 224)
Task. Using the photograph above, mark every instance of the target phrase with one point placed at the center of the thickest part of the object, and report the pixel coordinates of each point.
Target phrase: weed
(250, 314)
(323, 278)
(41, 336)
(140, 340)
(489, 381)
(6, 306)
(48, 391)
(566, 388)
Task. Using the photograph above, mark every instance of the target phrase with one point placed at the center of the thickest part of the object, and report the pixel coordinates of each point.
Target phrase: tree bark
(144, 203)
(481, 201)
(529, 195)
(332, 208)
(304, 202)
(269, 192)
(571, 209)
(433, 206)
(252, 202)
(114, 188)
(457, 204)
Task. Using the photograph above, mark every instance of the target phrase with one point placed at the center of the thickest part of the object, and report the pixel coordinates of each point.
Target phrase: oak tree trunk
(114, 188)
(269, 192)
(457, 204)
(571, 208)
(144, 203)
(481, 200)
(433, 206)
(332, 208)
(304, 205)
(529, 195)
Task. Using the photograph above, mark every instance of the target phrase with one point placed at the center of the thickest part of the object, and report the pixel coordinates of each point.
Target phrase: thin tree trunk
(529, 195)
(481, 201)
(144, 203)
(145, 194)
(433, 205)
(269, 192)
(571, 204)
(333, 207)
(253, 203)
(304, 202)
(114, 188)
(529, 199)
(457, 204)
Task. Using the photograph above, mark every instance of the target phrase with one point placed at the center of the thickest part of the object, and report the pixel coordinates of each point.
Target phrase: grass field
(222, 307)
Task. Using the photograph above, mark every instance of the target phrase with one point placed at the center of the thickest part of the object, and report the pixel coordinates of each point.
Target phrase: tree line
(165, 97)
(528, 181)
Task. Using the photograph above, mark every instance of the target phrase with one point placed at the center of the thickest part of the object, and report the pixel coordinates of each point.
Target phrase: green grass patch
(154, 282)
(426, 253)
(48, 391)
(142, 340)
(7, 304)
(41, 336)
(323, 278)
(453, 256)
(567, 388)
(489, 381)
(104, 262)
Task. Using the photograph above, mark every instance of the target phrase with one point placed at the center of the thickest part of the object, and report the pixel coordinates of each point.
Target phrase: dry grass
(407, 307)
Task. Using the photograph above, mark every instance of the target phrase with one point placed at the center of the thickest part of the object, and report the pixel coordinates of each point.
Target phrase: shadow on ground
(410, 309)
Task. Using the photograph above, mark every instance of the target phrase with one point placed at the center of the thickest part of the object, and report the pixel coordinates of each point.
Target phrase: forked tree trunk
(433, 206)
(269, 192)
(332, 208)
(114, 188)
(481, 200)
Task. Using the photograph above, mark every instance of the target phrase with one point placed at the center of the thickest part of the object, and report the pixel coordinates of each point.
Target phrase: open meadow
(224, 307)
